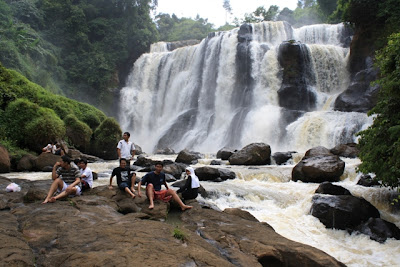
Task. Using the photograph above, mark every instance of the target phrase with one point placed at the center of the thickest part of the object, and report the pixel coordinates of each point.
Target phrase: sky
(213, 10)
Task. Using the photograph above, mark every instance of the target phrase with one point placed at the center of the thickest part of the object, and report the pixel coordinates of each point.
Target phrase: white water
(187, 98)
(268, 194)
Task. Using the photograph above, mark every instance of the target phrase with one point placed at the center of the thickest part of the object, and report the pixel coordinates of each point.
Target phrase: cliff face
(105, 227)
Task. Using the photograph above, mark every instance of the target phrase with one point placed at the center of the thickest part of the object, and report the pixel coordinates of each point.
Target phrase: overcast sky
(213, 10)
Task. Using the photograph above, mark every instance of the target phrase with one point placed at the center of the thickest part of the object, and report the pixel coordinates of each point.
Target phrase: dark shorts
(123, 185)
(85, 185)
(190, 194)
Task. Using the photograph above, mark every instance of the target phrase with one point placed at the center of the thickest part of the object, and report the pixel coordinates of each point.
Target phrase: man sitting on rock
(153, 181)
(86, 175)
(125, 179)
(67, 180)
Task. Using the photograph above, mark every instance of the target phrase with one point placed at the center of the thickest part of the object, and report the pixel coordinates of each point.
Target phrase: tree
(380, 143)
(228, 9)
(261, 14)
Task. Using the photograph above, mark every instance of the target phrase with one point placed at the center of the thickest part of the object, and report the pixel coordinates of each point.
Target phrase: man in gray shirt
(66, 180)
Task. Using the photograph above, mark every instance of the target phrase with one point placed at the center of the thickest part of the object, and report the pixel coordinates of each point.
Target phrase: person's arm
(111, 178)
(139, 186)
(133, 179)
(186, 186)
(119, 153)
(133, 150)
(165, 183)
(54, 174)
(77, 181)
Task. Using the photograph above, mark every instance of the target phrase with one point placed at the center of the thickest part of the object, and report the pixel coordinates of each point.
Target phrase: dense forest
(85, 49)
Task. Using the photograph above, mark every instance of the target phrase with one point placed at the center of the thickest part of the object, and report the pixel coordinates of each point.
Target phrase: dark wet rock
(215, 162)
(182, 182)
(328, 188)
(138, 150)
(178, 44)
(342, 212)
(165, 151)
(317, 166)
(225, 153)
(214, 174)
(252, 154)
(26, 163)
(142, 161)
(367, 180)
(174, 169)
(379, 230)
(241, 213)
(349, 150)
(5, 163)
(46, 159)
(188, 157)
(282, 157)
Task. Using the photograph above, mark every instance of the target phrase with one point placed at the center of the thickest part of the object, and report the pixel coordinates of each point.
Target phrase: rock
(282, 157)
(5, 163)
(46, 159)
(253, 154)
(331, 189)
(165, 151)
(174, 169)
(379, 230)
(317, 166)
(349, 150)
(361, 95)
(138, 149)
(342, 212)
(143, 161)
(241, 213)
(26, 163)
(367, 180)
(169, 178)
(188, 157)
(74, 153)
(294, 93)
(214, 174)
(47, 169)
(225, 153)
(95, 175)
(215, 162)
(178, 44)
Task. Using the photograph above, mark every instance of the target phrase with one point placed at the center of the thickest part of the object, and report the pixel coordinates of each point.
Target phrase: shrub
(106, 138)
(77, 132)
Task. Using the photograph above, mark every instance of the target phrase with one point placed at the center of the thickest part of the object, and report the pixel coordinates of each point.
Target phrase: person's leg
(189, 194)
(130, 192)
(57, 184)
(175, 197)
(150, 195)
(65, 193)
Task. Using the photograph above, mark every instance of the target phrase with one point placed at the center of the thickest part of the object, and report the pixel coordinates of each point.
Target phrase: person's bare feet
(52, 200)
(186, 207)
(151, 207)
(133, 196)
(45, 201)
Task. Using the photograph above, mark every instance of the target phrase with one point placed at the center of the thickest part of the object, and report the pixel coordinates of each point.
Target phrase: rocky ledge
(106, 228)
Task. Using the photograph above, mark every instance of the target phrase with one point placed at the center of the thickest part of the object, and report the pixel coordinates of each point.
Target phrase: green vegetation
(178, 234)
(106, 137)
(380, 143)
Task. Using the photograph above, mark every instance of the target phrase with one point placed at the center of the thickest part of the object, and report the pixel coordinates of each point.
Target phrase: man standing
(86, 175)
(153, 181)
(66, 180)
(126, 149)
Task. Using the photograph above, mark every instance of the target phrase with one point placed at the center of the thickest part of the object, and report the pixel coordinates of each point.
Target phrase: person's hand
(110, 187)
(69, 187)
(57, 164)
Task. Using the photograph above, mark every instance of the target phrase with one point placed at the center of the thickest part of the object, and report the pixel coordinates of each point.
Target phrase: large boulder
(188, 157)
(379, 230)
(317, 166)
(328, 188)
(26, 163)
(207, 173)
(142, 161)
(282, 157)
(138, 150)
(175, 169)
(5, 164)
(253, 154)
(349, 150)
(225, 153)
(45, 160)
(165, 151)
(342, 212)
(367, 181)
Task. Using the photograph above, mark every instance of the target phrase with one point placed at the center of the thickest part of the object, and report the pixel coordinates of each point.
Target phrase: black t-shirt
(153, 178)
(123, 175)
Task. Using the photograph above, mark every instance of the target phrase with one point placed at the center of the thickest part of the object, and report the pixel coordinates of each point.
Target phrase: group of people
(68, 179)
(54, 148)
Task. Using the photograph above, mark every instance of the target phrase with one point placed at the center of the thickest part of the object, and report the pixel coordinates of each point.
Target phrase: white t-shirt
(89, 176)
(126, 148)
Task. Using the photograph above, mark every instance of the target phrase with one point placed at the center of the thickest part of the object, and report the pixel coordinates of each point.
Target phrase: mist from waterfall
(201, 98)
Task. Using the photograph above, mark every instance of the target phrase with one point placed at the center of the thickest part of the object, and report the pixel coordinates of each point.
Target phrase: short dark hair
(159, 163)
(122, 159)
(66, 159)
(84, 161)
(128, 134)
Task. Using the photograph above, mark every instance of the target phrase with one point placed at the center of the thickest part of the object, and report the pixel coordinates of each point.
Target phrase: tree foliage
(380, 143)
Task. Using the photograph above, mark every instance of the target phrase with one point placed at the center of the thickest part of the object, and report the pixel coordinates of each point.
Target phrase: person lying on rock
(191, 188)
(48, 148)
(153, 181)
(125, 179)
(66, 180)
(86, 175)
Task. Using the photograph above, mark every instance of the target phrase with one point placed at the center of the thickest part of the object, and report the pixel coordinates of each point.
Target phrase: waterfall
(227, 91)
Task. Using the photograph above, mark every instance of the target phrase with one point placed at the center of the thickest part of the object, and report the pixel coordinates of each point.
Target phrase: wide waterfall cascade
(224, 92)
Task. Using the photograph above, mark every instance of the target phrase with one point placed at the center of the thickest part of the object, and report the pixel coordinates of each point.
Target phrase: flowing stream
(268, 194)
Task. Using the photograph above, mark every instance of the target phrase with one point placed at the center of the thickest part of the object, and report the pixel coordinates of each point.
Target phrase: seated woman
(191, 188)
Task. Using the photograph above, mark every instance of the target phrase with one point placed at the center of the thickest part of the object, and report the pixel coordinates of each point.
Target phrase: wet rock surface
(105, 227)
(252, 154)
